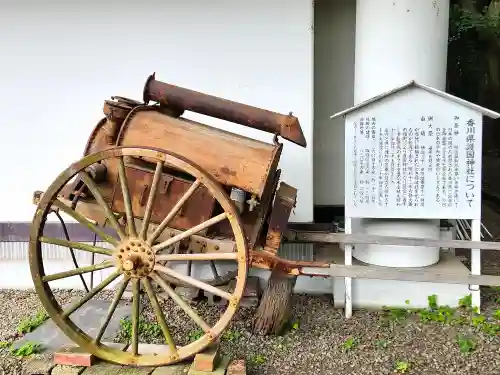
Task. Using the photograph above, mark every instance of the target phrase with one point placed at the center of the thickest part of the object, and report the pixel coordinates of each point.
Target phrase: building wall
(334, 34)
(60, 61)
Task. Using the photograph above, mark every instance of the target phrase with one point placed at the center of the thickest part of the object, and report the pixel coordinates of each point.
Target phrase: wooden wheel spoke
(151, 198)
(189, 232)
(197, 256)
(126, 198)
(75, 306)
(77, 271)
(192, 281)
(112, 309)
(100, 199)
(84, 221)
(135, 316)
(159, 316)
(158, 231)
(76, 245)
(182, 304)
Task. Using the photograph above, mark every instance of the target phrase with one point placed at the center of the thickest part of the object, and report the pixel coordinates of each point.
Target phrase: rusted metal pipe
(287, 126)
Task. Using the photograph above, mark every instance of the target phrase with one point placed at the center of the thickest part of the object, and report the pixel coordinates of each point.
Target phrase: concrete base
(373, 294)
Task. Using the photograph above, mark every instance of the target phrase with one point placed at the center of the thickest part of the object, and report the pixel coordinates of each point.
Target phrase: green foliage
(231, 335)
(195, 335)
(349, 344)
(465, 302)
(258, 359)
(4, 344)
(466, 344)
(402, 367)
(145, 328)
(381, 344)
(473, 52)
(29, 324)
(27, 349)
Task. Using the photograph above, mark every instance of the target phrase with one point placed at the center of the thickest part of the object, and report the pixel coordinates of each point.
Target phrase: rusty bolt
(128, 265)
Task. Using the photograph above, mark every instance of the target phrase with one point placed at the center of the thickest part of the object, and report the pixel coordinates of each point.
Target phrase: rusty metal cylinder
(287, 126)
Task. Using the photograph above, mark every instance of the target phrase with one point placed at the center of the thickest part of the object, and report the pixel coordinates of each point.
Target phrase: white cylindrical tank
(399, 256)
(398, 41)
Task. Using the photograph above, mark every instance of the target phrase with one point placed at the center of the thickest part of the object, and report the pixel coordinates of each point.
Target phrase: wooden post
(274, 309)
(475, 261)
(348, 262)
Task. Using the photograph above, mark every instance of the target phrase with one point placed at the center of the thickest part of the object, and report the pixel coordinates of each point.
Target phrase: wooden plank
(402, 274)
(232, 159)
(390, 240)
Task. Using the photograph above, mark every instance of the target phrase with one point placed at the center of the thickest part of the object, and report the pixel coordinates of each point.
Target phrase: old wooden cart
(159, 189)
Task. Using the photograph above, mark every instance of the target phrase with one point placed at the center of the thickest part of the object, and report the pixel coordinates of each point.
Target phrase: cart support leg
(274, 309)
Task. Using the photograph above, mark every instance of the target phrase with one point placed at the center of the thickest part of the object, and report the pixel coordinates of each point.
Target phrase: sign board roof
(484, 111)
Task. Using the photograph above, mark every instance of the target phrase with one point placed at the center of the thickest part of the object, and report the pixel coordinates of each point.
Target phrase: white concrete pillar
(398, 41)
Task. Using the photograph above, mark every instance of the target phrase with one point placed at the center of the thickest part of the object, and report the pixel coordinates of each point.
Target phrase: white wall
(334, 34)
(60, 61)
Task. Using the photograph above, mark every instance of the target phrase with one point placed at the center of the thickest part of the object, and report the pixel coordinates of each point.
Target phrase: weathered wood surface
(402, 274)
(230, 158)
(389, 240)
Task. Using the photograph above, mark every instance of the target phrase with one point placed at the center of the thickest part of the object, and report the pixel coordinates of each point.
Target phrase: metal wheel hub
(135, 257)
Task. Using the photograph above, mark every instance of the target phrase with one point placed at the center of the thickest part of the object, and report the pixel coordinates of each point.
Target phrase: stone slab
(37, 366)
(103, 368)
(67, 370)
(178, 369)
(89, 318)
(129, 370)
(220, 370)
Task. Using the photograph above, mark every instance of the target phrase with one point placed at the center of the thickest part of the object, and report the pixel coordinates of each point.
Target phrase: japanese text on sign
(423, 168)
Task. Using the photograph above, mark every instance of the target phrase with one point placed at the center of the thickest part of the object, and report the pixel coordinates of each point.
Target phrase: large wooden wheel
(135, 257)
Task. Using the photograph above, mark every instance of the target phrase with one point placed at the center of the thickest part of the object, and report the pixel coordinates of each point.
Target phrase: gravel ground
(317, 343)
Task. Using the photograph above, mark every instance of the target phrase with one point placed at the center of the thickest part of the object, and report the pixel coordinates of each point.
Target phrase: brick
(208, 359)
(37, 366)
(177, 369)
(67, 370)
(220, 370)
(73, 355)
(237, 367)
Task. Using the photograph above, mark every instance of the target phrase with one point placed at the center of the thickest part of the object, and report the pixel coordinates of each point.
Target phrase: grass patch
(402, 367)
(231, 335)
(349, 344)
(4, 344)
(466, 344)
(27, 349)
(195, 335)
(29, 324)
(145, 329)
(258, 359)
